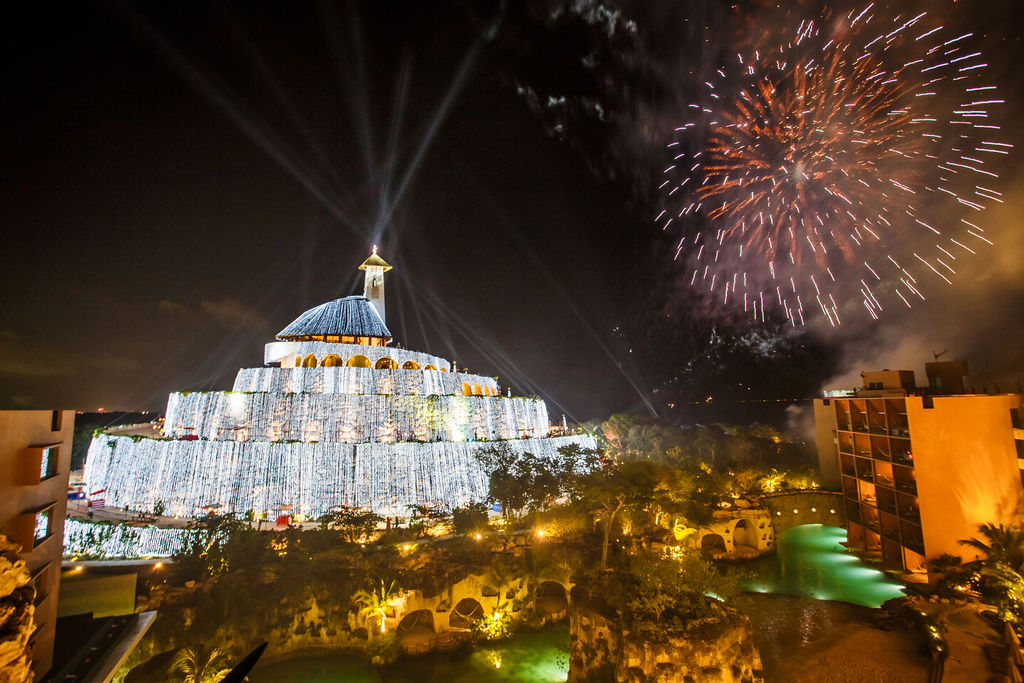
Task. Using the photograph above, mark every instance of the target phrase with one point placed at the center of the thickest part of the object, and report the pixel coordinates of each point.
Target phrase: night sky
(181, 180)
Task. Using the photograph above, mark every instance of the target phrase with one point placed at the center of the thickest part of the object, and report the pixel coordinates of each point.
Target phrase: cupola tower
(373, 287)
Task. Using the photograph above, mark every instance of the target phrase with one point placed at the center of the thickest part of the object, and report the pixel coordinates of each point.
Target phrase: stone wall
(16, 615)
(721, 652)
(737, 534)
(795, 508)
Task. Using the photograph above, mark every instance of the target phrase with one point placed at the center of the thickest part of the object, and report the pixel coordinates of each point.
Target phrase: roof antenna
(937, 355)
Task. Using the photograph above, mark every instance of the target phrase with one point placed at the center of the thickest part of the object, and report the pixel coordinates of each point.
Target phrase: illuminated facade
(920, 471)
(335, 416)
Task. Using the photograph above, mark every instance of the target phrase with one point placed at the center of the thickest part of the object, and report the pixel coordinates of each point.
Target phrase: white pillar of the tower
(373, 283)
(373, 289)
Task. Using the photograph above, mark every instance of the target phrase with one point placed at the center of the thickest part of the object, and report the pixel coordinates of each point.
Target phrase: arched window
(466, 389)
(476, 390)
(298, 361)
(386, 364)
(309, 361)
(333, 360)
(410, 365)
(359, 361)
(430, 367)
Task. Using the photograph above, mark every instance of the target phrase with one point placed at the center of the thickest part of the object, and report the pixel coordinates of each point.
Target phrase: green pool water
(528, 657)
(811, 561)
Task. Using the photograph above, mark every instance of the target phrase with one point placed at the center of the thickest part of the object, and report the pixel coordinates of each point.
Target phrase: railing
(911, 515)
(907, 486)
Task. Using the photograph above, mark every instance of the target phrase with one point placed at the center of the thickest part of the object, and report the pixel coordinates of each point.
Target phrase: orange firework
(829, 163)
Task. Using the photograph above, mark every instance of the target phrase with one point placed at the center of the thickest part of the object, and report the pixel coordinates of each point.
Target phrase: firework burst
(848, 165)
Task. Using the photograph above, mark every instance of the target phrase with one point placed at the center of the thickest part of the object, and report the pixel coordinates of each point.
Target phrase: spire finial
(375, 250)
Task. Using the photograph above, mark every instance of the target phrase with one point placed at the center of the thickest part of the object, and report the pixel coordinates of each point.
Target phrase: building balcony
(903, 458)
(887, 506)
(911, 515)
(907, 487)
(915, 544)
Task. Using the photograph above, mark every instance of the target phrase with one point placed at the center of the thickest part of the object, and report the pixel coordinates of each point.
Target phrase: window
(48, 463)
(39, 582)
(43, 528)
(56, 420)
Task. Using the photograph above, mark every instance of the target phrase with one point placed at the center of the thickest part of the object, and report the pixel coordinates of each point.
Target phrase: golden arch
(476, 390)
(298, 361)
(386, 364)
(332, 360)
(309, 361)
(429, 367)
(466, 389)
(410, 365)
(359, 361)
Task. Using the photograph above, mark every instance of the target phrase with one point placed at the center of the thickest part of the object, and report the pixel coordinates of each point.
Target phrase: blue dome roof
(351, 316)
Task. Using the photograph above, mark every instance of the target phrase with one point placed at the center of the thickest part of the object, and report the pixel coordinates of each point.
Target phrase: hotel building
(35, 458)
(920, 469)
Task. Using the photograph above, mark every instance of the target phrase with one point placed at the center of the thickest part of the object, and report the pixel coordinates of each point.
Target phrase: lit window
(48, 463)
(42, 527)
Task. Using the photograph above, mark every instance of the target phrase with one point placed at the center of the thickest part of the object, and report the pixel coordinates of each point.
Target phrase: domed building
(336, 416)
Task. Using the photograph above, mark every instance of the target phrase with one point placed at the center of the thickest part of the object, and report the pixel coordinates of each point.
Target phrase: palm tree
(375, 602)
(1003, 569)
(201, 664)
(1005, 545)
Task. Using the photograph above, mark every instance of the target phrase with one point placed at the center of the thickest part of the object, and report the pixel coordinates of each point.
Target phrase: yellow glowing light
(477, 536)
(79, 568)
(540, 533)
(158, 565)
